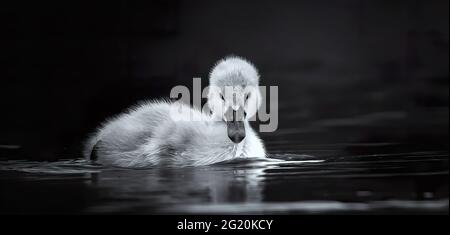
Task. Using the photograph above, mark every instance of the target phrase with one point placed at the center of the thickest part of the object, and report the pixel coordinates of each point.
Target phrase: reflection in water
(297, 184)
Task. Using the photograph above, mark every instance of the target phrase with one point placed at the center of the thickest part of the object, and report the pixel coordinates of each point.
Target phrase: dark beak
(235, 124)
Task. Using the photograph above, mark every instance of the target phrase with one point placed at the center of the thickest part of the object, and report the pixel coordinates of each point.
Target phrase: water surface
(371, 164)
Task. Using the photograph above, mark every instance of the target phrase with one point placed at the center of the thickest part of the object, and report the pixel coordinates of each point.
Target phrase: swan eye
(221, 96)
(247, 96)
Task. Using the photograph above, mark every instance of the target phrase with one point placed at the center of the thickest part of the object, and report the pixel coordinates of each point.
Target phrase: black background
(68, 65)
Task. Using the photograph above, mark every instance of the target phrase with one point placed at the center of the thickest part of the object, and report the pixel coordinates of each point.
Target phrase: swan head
(234, 95)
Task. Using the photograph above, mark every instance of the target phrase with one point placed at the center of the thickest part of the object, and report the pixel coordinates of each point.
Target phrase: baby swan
(163, 133)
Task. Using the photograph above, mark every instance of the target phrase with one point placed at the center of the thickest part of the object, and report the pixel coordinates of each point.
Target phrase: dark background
(66, 66)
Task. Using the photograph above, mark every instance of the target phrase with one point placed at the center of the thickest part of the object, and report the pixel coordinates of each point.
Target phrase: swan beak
(235, 125)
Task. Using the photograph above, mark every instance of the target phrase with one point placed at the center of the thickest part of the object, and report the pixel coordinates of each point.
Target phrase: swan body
(164, 133)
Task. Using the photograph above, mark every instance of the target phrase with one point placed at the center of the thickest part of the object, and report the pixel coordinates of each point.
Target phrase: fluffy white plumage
(232, 71)
(149, 134)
